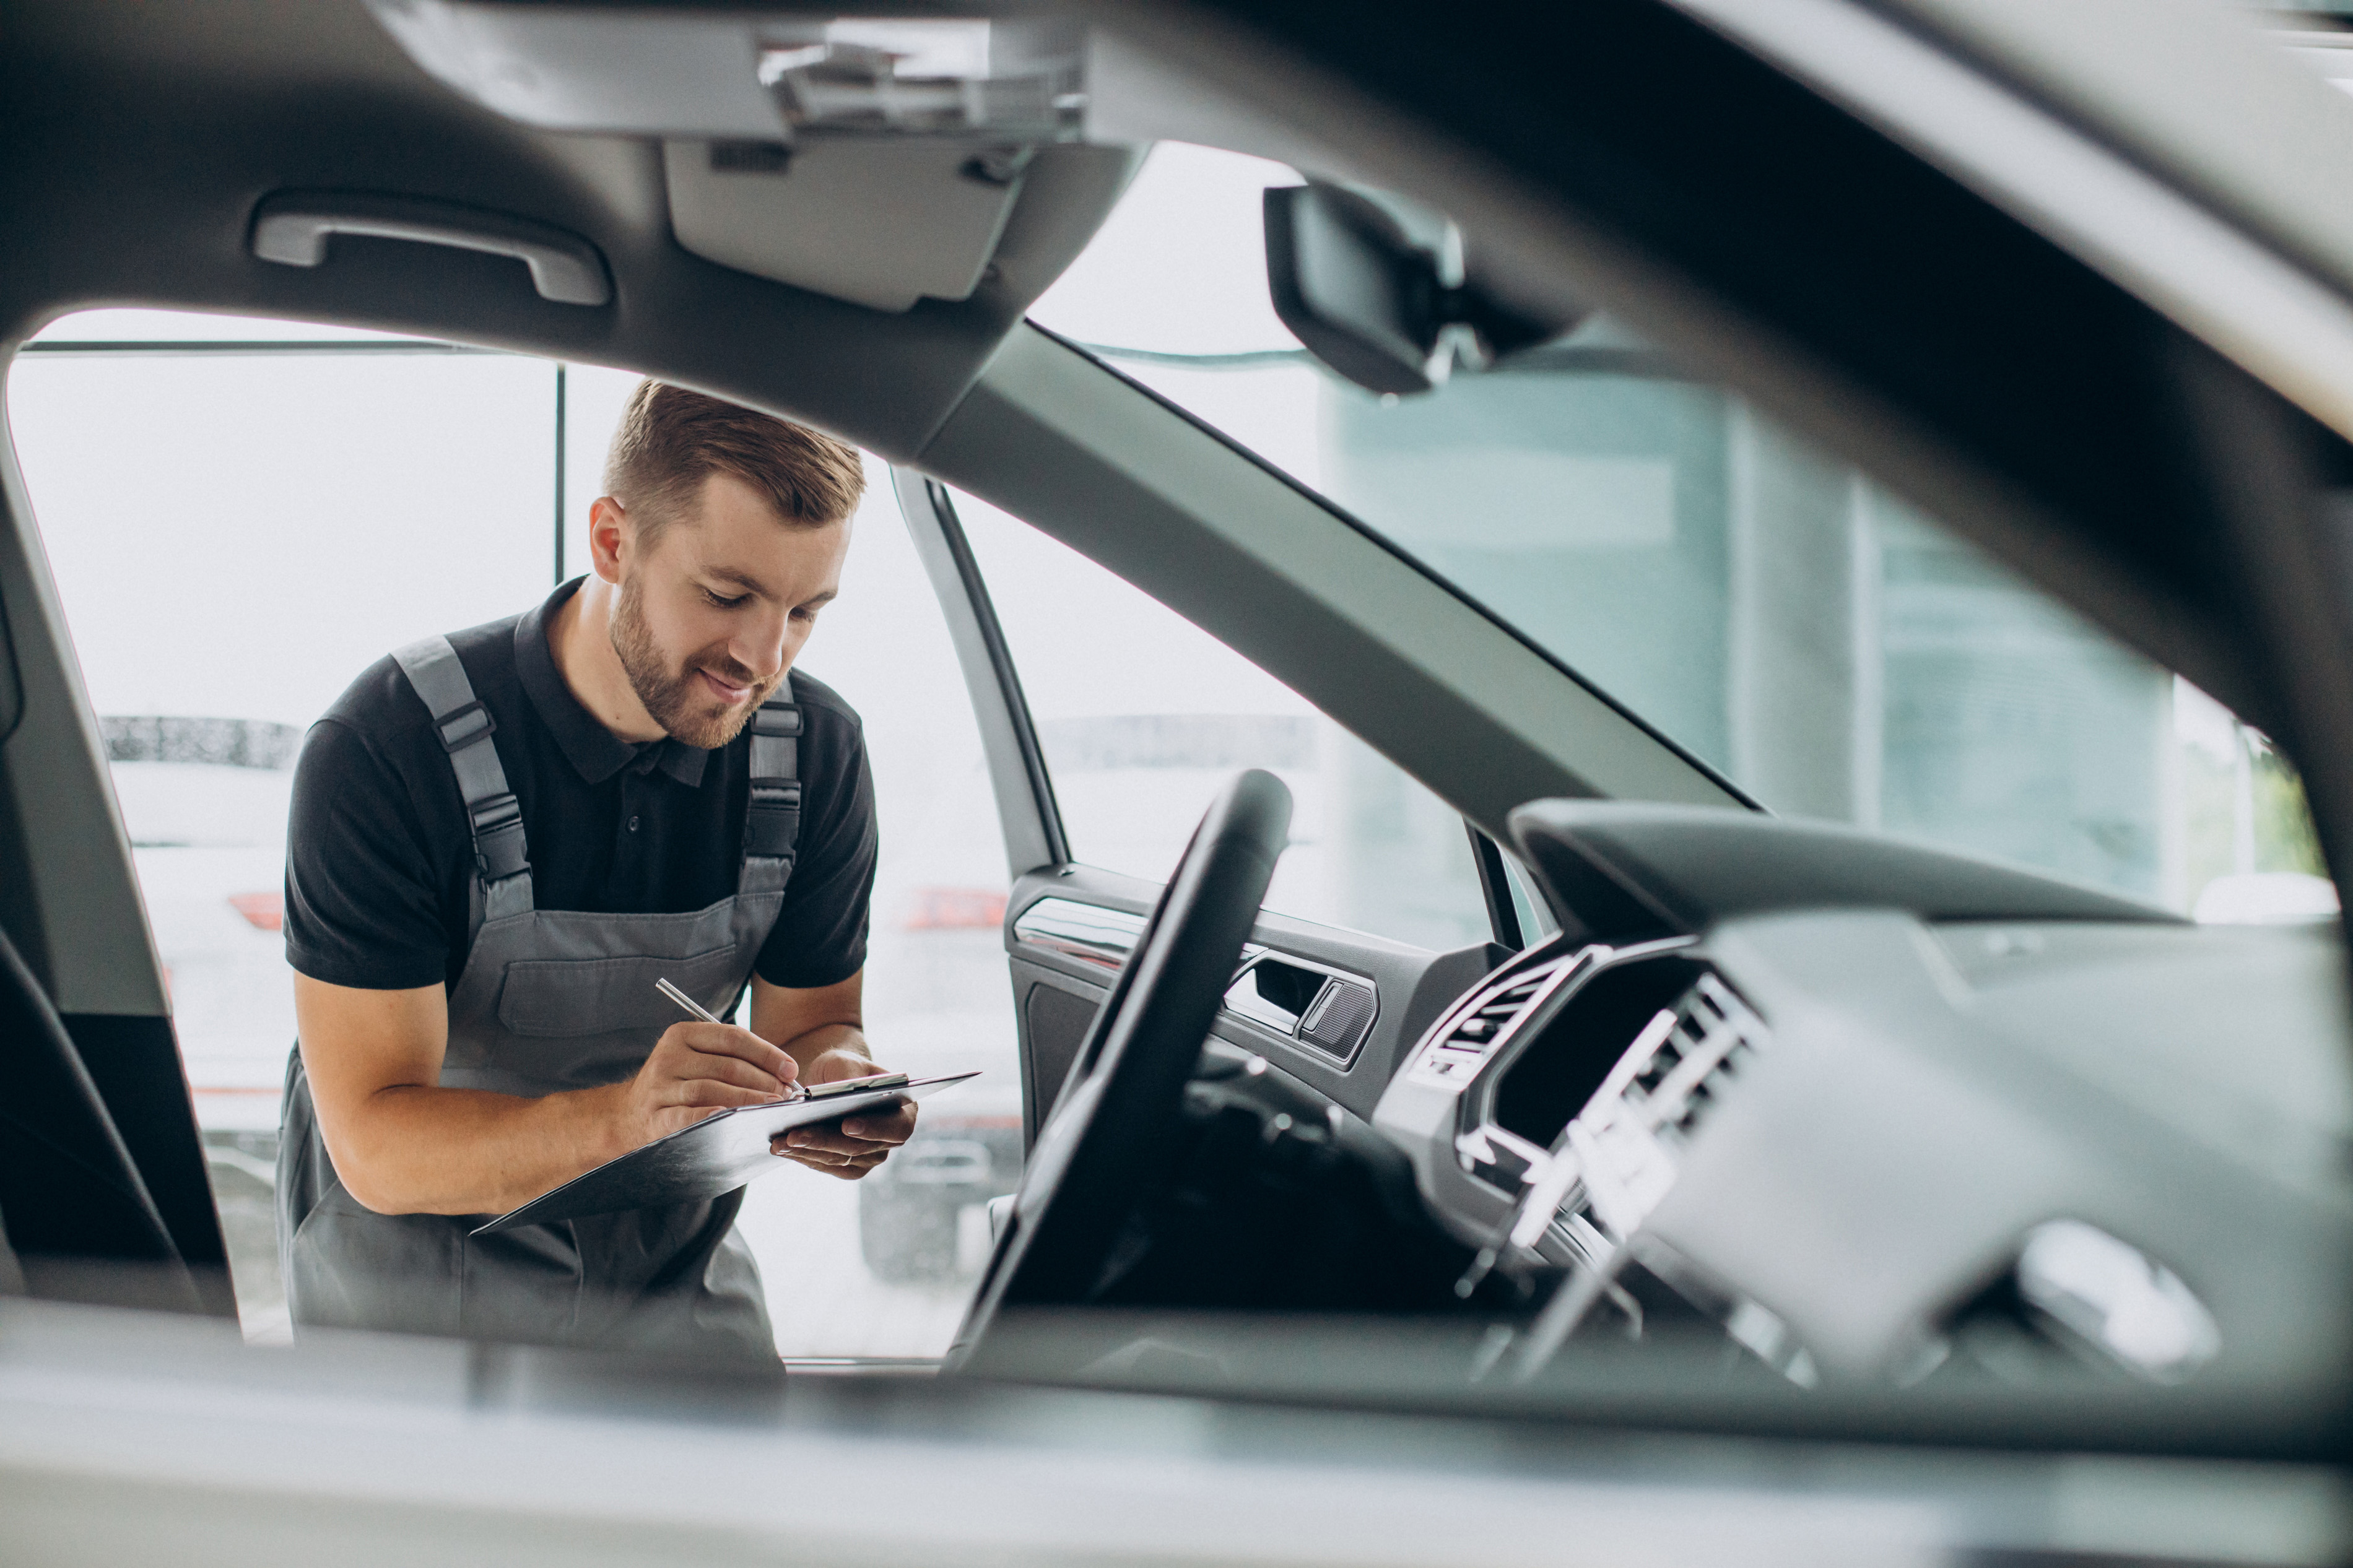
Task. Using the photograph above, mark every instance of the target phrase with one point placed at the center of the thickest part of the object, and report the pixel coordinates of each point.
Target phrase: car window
(1775, 613)
(1142, 716)
(240, 516)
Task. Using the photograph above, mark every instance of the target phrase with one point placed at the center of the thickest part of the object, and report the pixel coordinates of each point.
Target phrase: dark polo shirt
(378, 858)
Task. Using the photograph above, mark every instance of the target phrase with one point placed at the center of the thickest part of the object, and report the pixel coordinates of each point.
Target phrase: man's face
(709, 620)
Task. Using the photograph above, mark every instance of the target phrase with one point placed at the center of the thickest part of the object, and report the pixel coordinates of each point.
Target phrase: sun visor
(881, 222)
(872, 158)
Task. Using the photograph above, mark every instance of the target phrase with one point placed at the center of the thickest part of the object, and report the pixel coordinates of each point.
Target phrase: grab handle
(292, 227)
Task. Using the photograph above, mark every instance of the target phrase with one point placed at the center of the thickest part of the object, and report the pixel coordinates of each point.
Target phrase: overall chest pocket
(551, 998)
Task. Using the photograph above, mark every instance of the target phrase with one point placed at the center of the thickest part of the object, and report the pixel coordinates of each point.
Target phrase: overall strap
(465, 726)
(772, 823)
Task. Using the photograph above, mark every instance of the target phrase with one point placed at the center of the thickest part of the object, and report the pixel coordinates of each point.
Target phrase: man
(502, 838)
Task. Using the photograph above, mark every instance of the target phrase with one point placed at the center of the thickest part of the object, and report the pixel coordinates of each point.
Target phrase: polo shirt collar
(594, 751)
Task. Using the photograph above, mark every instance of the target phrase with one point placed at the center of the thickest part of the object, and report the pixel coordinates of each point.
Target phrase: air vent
(1628, 1140)
(1466, 1039)
(1592, 1179)
(1565, 1052)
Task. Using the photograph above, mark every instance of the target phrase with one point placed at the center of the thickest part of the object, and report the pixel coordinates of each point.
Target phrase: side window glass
(234, 535)
(1142, 715)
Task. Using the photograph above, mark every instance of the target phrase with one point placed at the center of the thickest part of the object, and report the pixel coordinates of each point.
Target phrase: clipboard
(717, 1154)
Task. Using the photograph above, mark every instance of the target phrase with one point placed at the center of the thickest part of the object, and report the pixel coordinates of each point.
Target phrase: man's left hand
(856, 1144)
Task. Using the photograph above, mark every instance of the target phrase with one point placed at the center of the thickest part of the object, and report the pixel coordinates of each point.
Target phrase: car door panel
(1064, 942)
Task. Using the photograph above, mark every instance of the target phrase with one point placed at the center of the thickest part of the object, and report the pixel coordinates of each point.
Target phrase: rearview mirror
(1369, 301)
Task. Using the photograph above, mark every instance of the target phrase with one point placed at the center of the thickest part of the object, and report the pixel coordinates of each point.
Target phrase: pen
(699, 1010)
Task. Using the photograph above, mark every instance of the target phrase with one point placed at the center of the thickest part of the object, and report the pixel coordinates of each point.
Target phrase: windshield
(1770, 610)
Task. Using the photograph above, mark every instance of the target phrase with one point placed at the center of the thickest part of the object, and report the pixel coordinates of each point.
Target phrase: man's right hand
(697, 1068)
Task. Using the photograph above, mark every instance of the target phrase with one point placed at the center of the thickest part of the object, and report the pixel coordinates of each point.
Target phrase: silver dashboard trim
(1087, 932)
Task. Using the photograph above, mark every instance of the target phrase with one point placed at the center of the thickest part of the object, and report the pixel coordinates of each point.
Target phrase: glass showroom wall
(1841, 656)
(241, 516)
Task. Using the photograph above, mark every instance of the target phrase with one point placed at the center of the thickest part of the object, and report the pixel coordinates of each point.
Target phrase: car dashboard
(1881, 1114)
(1561, 1115)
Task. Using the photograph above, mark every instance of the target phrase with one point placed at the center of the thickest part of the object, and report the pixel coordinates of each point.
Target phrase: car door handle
(292, 227)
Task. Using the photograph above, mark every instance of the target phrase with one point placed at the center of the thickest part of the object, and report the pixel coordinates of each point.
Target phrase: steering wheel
(1110, 1133)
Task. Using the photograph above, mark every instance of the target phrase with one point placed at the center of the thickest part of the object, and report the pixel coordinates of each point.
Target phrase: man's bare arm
(404, 1146)
(823, 1028)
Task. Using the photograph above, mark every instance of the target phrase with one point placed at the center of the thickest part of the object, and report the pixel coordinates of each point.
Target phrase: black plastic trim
(1496, 887)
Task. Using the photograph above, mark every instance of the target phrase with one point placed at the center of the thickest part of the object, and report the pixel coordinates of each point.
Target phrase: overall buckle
(456, 733)
(499, 851)
(773, 821)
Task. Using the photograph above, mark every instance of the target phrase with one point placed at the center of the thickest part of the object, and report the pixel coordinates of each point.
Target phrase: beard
(680, 702)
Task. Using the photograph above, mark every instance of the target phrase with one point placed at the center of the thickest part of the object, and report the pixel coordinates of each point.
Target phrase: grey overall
(551, 1000)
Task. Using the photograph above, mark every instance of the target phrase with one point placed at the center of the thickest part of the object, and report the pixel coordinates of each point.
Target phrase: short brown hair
(672, 440)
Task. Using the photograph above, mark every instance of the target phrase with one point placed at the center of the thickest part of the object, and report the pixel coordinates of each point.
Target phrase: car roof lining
(344, 109)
